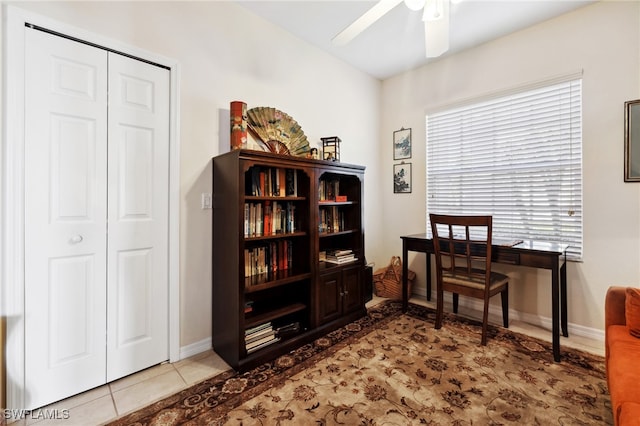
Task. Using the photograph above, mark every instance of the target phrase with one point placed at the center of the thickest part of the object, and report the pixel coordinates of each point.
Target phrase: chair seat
(460, 276)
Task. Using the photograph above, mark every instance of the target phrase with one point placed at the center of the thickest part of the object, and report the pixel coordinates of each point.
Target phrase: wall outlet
(206, 200)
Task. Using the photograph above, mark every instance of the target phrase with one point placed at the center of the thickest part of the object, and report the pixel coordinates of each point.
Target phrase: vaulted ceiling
(396, 42)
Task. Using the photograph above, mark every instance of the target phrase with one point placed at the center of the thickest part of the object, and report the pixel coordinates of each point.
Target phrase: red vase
(238, 118)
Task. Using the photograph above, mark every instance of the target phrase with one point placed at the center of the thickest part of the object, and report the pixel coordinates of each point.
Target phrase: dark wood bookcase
(273, 218)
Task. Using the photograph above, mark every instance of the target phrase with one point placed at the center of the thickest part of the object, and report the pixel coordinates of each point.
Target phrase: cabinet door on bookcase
(340, 292)
(330, 296)
(353, 288)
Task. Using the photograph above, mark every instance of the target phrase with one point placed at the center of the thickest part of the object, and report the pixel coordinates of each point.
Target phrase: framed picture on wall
(632, 141)
(402, 144)
(402, 178)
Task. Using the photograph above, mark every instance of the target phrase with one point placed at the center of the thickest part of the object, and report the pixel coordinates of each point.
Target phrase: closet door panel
(138, 318)
(65, 217)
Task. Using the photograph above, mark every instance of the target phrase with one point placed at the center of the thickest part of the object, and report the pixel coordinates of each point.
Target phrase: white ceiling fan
(435, 16)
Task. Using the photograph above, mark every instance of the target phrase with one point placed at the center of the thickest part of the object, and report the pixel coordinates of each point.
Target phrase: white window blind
(518, 158)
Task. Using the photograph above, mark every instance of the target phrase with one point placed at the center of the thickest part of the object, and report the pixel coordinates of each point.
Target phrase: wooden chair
(462, 246)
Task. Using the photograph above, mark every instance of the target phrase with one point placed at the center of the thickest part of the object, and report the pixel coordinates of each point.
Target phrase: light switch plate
(206, 200)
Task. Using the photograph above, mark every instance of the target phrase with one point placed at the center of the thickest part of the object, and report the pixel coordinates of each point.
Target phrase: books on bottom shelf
(260, 336)
(257, 328)
(265, 334)
(261, 343)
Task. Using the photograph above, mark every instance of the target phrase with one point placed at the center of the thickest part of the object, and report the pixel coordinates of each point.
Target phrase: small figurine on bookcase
(313, 153)
(331, 148)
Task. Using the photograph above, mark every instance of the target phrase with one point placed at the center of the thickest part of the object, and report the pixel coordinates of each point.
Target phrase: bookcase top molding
(266, 157)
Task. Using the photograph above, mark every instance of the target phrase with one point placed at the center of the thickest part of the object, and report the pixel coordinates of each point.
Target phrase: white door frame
(12, 189)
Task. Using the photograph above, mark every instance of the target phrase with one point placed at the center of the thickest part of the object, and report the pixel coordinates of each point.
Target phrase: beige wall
(226, 54)
(603, 40)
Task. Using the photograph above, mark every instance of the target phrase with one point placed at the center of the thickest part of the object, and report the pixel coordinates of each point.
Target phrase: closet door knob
(76, 239)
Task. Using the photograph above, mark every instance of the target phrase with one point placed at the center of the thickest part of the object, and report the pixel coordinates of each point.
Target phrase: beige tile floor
(130, 393)
(115, 399)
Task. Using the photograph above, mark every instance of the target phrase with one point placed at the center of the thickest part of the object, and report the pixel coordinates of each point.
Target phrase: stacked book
(340, 256)
(259, 336)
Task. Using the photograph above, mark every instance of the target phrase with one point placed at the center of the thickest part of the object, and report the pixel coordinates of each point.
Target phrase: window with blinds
(517, 158)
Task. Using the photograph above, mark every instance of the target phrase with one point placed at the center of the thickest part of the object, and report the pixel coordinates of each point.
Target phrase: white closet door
(65, 217)
(138, 318)
(96, 217)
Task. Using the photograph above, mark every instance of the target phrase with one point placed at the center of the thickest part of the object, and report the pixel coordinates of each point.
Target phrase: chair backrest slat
(462, 244)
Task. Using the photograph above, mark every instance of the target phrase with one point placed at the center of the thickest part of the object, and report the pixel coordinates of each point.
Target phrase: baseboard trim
(196, 348)
(475, 307)
(547, 323)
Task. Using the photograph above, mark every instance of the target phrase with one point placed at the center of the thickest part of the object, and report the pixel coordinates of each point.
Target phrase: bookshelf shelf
(254, 320)
(258, 198)
(336, 203)
(267, 209)
(337, 233)
(276, 236)
(262, 282)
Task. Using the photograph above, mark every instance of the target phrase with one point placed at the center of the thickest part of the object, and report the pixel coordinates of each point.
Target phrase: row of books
(331, 219)
(269, 218)
(340, 256)
(268, 258)
(272, 182)
(329, 190)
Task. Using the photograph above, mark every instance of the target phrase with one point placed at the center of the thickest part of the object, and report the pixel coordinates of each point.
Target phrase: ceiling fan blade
(436, 27)
(363, 22)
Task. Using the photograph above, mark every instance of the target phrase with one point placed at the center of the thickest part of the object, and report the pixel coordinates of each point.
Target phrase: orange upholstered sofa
(622, 356)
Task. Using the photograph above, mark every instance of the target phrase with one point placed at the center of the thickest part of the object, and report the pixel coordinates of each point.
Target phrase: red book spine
(281, 255)
(285, 252)
(262, 184)
(267, 218)
(282, 178)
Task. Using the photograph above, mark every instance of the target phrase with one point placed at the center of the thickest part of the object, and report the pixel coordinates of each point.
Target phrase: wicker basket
(387, 281)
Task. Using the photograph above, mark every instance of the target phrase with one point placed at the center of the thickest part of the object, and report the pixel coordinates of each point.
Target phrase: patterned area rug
(390, 368)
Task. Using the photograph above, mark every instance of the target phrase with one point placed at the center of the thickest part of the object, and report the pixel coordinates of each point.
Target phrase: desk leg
(428, 268)
(563, 297)
(555, 306)
(405, 273)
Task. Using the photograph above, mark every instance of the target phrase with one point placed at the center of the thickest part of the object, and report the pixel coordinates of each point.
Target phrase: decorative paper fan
(278, 131)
